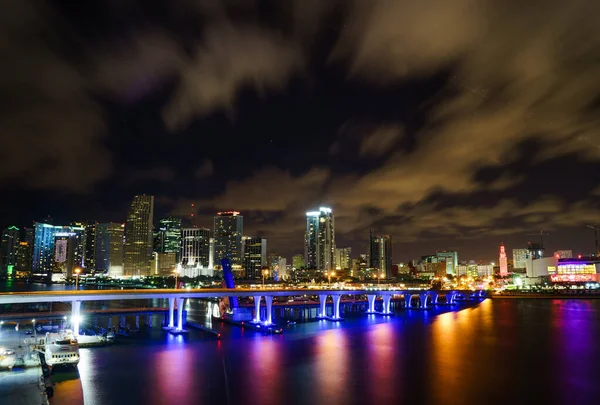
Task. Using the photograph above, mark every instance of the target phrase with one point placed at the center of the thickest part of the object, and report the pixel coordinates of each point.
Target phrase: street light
(34, 331)
(176, 271)
(329, 274)
(265, 272)
(380, 277)
(77, 271)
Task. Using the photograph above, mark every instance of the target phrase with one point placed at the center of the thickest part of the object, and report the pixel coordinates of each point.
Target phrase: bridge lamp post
(77, 271)
(34, 331)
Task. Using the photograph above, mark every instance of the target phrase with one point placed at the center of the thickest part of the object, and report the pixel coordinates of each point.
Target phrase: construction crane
(541, 235)
(595, 228)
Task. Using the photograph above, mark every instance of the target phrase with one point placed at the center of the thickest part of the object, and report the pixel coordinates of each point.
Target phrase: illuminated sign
(573, 278)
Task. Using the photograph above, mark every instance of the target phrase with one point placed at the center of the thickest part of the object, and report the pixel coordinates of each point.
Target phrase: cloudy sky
(447, 124)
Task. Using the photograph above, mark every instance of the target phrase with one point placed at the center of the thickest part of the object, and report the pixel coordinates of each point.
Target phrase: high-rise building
(229, 228)
(9, 248)
(380, 254)
(109, 248)
(451, 259)
(535, 251)
(520, 258)
(277, 266)
(503, 262)
(168, 238)
(138, 236)
(44, 246)
(163, 263)
(89, 251)
(255, 256)
(66, 255)
(319, 240)
(195, 247)
(297, 261)
(24, 252)
(343, 258)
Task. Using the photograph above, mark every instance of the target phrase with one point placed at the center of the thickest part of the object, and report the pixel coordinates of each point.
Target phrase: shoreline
(545, 296)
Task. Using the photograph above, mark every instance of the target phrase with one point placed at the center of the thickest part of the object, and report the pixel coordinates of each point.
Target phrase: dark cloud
(206, 170)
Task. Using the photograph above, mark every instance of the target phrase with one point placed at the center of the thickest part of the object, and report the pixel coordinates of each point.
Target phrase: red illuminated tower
(503, 263)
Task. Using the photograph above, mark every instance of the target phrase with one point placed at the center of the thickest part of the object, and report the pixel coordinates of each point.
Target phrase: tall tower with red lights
(503, 262)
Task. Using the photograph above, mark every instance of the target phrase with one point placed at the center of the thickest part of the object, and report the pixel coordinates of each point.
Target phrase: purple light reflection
(332, 363)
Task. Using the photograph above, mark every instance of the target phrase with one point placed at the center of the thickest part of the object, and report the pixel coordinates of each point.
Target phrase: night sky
(447, 124)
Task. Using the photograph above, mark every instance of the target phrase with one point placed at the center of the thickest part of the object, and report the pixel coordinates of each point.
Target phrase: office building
(138, 237)
(8, 251)
(67, 256)
(520, 258)
(277, 266)
(343, 258)
(320, 240)
(474, 270)
(163, 263)
(109, 249)
(44, 247)
(535, 251)
(380, 254)
(503, 262)
(168, 236)
(297, 261)
(451, 259)
(255, 256)
(229, 228)
(24, 256)
(195, 247)
(89, 251)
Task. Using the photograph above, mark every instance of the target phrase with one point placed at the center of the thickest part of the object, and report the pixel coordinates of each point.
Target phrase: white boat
(61, 349)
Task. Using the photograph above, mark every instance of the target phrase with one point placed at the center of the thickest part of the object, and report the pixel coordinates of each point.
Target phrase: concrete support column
(387, 298)
(371, 299)
(269, 302)
(407, 300)
(171, 310)
(149, 320)
(257, 308)
(137, 322)
(336, 305)
(451, 297)
(180, 302)
(109, 323)
(423, 301)
(322, 303)
(435, 298)
(122, 321)
(75, 316)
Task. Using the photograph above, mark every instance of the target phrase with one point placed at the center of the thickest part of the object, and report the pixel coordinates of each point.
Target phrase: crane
(595, 228)
(541, 235)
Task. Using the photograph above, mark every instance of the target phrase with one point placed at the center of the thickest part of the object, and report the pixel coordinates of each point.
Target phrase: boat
(61, 349)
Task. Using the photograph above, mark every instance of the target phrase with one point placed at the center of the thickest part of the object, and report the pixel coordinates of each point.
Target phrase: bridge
(176, 298)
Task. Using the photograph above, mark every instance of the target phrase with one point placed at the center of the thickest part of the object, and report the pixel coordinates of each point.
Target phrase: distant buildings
(138, 236)
(503, 262)
(255, 256)
(168, 236)
(195, 247)
(320, 240)
(278, 266)
(474, 270)
(163, 263)
(9, 251)
(298, 261)
(520, 258)
(48, 256)
(343, 258)
(564, 254)
(380, 254)
(109, 249)
(228, 231)
(89, 248)
(451, 259)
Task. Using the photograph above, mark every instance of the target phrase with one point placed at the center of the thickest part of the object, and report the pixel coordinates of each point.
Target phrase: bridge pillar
(122, 321)
(109, 326)
(387, 298)
(423, 298)
(149, 320)
(322, 303)
(407, 300)
(371, 299)
(452, 299)
(435, 298)
(75, 316)
(257, 308)
(137, 322)
(336, 305)
(269, 302)
(171, 310)
(180, 313)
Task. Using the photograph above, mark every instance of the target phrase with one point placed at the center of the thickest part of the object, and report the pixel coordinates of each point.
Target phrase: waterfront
(489, 353)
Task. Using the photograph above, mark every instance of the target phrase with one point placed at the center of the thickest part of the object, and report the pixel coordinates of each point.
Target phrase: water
(498, 352)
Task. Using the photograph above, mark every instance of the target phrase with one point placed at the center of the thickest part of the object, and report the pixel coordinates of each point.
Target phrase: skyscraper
(342, 258)
(9, 249)
(503, 262)
(169, 236)
(109, 248)
(319, 250)
(520, 258)
(229, 227)
(44, 246)
(89, 251)
(195, 247)
(380, 254)
(138, 236)
(255, 256)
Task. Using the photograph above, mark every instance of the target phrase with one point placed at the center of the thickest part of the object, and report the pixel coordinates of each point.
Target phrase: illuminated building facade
(343, 258)
(89, 251)
(68, 252)
(451, 259)
(229, 228)
(24, 253)
(44, 249)
(255, 256)
(319, 251)
(109, 248)
(8, 251)
(297, 261)
(503, 262)
(520, 258)
(168, 237)
(380, 254)
(138, 237)
(195, 247)
(474, 270)
(574, 271)
(163, 263)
